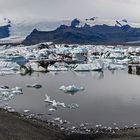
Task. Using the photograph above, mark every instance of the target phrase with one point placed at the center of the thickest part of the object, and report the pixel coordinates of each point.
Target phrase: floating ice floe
(73, 106)
(36, 85)
(55, 104)
(52, 109)
(7, 93)
(9, 108)
(26, 111)
(71, 88)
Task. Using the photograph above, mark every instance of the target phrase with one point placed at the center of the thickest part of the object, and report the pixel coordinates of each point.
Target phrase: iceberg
(71, 88)
(96, 65)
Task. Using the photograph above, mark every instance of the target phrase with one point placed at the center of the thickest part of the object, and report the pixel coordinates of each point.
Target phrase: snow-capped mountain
(18, 30)
(24, 27)
(100, 21)
(4, 22)
(88, 31)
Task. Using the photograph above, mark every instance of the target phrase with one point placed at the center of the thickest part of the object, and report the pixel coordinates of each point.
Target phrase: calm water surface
(109, 97)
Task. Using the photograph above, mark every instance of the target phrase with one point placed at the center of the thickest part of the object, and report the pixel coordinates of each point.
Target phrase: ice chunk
(36, 85)
(7, 93)
(71, 88)
(52, 109)
(26, 111)
(96, 65)
(48, 100)
(73, 106)
(53, 103)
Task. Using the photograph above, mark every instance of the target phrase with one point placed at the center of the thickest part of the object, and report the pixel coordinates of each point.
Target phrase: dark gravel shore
(15, 127)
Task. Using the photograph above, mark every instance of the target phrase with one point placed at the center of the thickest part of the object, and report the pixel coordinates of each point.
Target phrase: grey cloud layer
(66, 9)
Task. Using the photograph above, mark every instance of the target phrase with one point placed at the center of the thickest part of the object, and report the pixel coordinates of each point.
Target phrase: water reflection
(134, 69)
(95, 74)
(115, 98)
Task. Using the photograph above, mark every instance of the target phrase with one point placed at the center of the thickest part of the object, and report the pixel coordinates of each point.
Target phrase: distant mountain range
(87, 31)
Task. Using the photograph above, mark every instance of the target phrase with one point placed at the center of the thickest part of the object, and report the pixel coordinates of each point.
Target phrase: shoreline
(14, 126)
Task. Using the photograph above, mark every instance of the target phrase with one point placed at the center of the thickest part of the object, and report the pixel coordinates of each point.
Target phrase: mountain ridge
(82, 33)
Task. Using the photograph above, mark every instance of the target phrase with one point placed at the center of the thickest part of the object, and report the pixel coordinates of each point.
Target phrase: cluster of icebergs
(66, 57)
(7, 94)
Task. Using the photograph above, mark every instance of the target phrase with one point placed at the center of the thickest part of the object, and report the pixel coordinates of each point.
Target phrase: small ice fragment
(11, 110)
(114, 124)
(109, 128)
(54, 104)
(61, 104)
(26, 111)
(57, 119)
(47, 99)
(73, 128)
(52, 109)
(4, 87)
(36, 85)
(116, 128)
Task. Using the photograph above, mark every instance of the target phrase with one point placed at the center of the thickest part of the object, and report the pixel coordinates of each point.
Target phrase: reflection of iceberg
(96, 65)
(81, 73)
(97, 75)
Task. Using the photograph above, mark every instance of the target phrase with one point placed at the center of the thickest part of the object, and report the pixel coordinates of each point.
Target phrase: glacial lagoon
(110, 97)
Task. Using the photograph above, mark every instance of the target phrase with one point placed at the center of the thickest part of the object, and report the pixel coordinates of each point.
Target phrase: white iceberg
(96, 65)
(71, 88)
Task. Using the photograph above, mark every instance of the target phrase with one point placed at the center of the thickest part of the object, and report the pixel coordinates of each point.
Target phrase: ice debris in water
(6, 93)
(26, 111)
(9, 108)
(55, 104)
(73, 106)
(71, 88)
(52, 109)
(36, 85)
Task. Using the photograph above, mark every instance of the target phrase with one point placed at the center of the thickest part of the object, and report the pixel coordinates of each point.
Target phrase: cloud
(67, 9)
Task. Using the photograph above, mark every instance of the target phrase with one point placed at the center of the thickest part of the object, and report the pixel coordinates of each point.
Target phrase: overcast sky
(68, 9)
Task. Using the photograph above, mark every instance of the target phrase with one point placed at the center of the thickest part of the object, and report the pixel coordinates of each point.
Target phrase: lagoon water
(109, 97)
